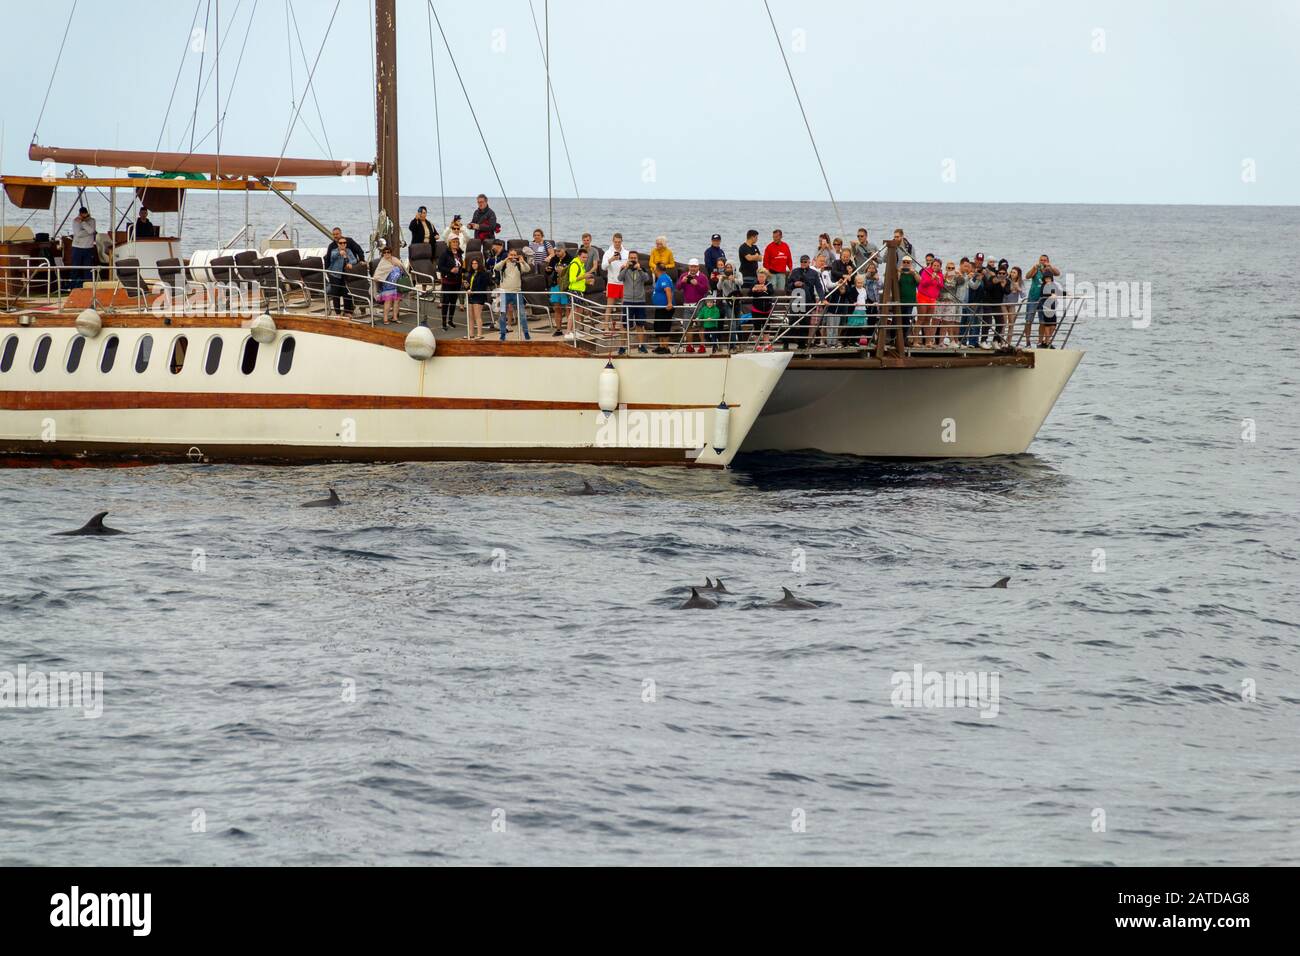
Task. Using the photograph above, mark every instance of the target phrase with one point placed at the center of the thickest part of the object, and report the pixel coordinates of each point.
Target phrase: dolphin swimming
(717, 587)
(790, 602)
(586, 489)
(94, 526)
(1000, 583)
(696, 600)
(331, 502)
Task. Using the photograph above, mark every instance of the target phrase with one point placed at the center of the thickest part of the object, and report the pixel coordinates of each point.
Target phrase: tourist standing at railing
(83, 246)
(750, 258)
(728, 289)
(973, 332)
(709, 316)
(636, 281)
(494, 254)
(661, 254)
(1011, 304)
(540, 248)
(778, 260)
(949, 311)
(929, 285)
(662, 299)
(996, 293)
(484, 224)
(762, 300)
(693, 286)
(422, 230)
(340, 261)
(557, 280)
(578, 274)
(714, 255)
(805, 288)
(478, 289)
(862, 250)
(1049, 309)
(451, 270)
(388, 272)
(613, 262)
(511, 271)
(840, 303)
(873, 288)
(908, 282)
(1038, 273)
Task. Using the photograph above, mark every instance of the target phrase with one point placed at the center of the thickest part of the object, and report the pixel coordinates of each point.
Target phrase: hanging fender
(607, 389)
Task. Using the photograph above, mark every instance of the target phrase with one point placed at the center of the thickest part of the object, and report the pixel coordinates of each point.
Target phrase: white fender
(420, 343)
(263, 329)
(89, 323)
(721, 427)
(607, 389)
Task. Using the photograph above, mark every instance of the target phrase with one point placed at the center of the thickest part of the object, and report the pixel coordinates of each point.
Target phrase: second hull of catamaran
(203, 388)
(959, 407)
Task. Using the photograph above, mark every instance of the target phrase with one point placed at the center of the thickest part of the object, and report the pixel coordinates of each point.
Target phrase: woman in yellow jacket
(661, 254)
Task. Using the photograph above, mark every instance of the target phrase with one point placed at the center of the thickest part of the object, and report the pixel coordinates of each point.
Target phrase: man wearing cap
(422, 230)
(693, 285)
(713, 256)
(806, 290)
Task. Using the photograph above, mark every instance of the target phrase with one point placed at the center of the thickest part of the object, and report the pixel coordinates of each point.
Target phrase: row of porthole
(143, 352)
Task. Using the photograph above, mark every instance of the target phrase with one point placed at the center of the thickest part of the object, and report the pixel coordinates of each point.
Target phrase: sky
(1003, 101)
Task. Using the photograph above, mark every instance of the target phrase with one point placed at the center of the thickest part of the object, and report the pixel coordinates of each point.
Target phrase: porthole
(286, 356)
(42, 354)
(109, 355)
(75, 348)
(179, 348)
(214, 355)
(249, 361)
(7, 356)
(142, 352)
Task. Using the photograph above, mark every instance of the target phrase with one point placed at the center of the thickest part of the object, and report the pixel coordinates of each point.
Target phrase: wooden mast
(389, 227)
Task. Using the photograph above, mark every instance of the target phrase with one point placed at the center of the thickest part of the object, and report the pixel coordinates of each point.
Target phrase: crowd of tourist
(833, 297)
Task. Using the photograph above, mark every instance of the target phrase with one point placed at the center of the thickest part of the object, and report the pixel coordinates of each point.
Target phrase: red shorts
(613, 292)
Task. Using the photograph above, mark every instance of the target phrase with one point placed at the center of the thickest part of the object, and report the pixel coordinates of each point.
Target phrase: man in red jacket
(777, 260)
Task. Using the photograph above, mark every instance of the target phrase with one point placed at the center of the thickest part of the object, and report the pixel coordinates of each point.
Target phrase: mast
(389, 227)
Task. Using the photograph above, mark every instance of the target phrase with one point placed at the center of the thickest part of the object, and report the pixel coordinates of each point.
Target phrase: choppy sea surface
(468, 663)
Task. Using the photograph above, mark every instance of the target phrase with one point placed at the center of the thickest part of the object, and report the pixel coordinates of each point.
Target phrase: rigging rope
(437, 123)
(459, 79)
(54, 72)
(198, 80)
(546, 61)
(559, 120)
(826, 179)
(302, 50)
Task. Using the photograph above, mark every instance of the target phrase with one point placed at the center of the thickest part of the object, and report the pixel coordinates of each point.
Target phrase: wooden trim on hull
(20, 453)
(60, 400)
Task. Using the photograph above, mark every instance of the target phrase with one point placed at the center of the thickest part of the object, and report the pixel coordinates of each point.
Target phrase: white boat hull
(346, 398)
(971, 412)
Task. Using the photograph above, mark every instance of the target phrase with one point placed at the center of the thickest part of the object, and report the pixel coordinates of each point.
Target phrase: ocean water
(467, 663)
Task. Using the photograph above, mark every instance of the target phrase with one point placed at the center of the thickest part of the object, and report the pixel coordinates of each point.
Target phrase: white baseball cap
(693, 262)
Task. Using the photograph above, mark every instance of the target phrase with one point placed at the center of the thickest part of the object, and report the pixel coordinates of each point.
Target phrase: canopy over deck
(213, 164)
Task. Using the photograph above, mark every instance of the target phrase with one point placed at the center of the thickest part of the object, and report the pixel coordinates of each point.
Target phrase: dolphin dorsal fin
(1000, 582)
(97, 522)
(718, 584)
(334, 495)
(708, 582)
(695, 592)
(787, 594)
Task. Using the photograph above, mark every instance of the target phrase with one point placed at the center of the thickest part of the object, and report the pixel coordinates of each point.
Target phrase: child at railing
(708, 315)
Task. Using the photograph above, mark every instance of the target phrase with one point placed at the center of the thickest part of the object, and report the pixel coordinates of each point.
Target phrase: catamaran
(230, 354)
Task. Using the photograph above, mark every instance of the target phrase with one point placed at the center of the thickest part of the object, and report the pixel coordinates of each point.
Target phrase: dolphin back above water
(697, 600)
(792, 603)
(95, 526)
(333, 501)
